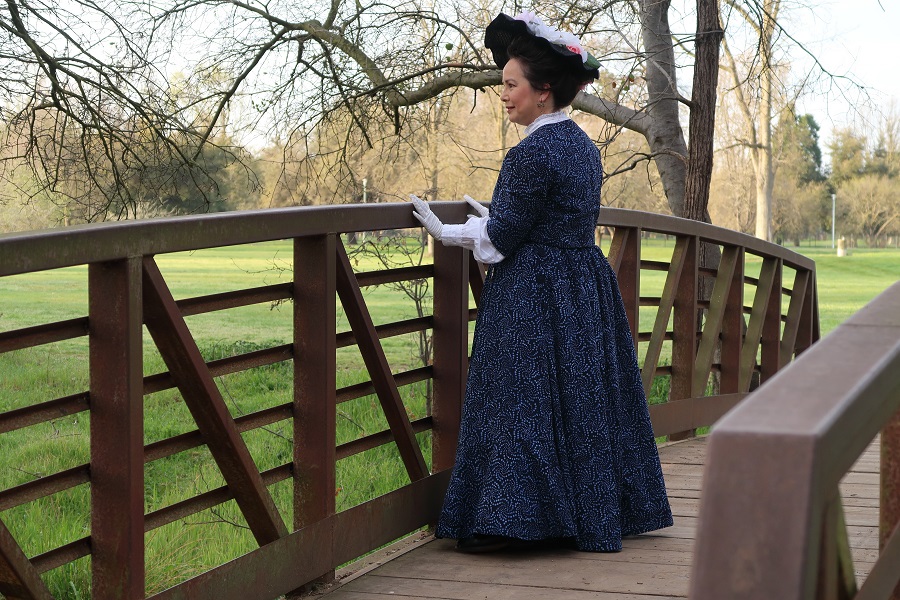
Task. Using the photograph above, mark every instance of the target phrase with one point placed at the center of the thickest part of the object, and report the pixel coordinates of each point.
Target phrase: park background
(835, 145)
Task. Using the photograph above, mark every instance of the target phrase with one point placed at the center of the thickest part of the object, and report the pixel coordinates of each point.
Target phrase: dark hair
(544, 67)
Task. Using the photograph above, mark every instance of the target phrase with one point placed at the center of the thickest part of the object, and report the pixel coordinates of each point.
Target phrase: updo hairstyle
(544, 67)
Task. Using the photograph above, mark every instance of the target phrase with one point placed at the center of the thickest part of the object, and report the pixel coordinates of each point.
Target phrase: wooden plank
(670, 288)
(450, 345)
(758, 322)
(117, 429)
(679, 415)
(533, 569)
(693, 451)
(315, 317)
(709, 341)
(795, 316)
(47, 333)
(380, 588)
(770, 360)
(315, 382)
(45, 411)
(733, 330)
(684, 334)
(808, 329)
(18, 578)
(625, 260)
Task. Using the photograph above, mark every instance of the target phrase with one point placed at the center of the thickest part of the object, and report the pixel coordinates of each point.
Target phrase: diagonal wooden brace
(673, 279)
(19, 580)
(709, 341)
(379, 369)
(769, 285)
(191, 374)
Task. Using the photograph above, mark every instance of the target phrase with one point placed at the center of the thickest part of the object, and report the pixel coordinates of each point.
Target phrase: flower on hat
(540, 29)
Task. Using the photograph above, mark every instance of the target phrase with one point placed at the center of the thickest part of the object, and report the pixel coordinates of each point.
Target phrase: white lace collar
(554, 117)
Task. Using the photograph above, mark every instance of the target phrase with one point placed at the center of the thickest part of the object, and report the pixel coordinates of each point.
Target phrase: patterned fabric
(556, 440)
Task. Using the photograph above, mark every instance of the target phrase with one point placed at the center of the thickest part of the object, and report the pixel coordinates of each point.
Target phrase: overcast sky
(860, 39)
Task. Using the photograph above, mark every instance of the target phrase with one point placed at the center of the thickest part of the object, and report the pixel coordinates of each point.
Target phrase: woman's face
(521, 100)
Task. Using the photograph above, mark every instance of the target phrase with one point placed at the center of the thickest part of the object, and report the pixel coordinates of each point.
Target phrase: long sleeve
(519, 197)
(473, 236)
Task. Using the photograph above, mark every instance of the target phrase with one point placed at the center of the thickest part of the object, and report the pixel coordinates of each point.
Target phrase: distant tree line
(863, 173)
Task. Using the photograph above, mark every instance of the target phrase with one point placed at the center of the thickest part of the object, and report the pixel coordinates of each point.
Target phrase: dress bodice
(548, 191)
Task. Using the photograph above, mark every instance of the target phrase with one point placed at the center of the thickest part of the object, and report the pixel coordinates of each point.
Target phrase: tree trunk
(703, 112)
(764, 184)
(664, 133)
(765, 176)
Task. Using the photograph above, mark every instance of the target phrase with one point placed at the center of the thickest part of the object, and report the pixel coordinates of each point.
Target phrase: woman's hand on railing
(481, 210)
(426, 217)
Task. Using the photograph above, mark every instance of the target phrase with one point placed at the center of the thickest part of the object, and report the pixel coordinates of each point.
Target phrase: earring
(540, 104)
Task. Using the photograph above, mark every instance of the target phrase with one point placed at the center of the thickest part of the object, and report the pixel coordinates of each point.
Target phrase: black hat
(504, 29)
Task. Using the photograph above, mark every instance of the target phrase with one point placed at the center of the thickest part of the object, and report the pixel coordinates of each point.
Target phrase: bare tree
(873, 208)
(324, 78)
(757, 107)
(86, 110)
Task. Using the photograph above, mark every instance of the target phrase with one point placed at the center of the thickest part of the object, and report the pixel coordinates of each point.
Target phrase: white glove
(482, 211)
(428, 219)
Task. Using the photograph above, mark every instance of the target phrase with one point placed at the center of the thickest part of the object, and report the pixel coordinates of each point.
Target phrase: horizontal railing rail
(771, 515)
(702, 354)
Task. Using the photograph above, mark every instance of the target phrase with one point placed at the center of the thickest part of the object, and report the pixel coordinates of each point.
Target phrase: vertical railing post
(889, 512)
(117, 434)
(733, 330)
(809, 320)
(451, 351)
(684, 331)
(625, 259)
(314, 385)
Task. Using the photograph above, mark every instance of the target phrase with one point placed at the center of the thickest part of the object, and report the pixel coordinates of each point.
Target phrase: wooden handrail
(97, 242)
(771, 522)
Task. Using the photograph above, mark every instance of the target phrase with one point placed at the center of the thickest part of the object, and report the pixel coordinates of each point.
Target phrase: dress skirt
(555, 439)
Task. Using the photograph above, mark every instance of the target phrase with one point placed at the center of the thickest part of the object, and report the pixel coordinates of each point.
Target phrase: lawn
(183, 548)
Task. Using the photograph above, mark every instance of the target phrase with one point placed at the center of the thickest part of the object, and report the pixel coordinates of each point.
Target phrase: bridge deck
(650, 567)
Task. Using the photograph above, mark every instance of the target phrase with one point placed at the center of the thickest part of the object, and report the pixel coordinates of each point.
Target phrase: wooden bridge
(795, 501)
(650, 567)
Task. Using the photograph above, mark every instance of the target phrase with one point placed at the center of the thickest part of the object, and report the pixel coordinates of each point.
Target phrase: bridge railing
(772, 514)
(761, 314)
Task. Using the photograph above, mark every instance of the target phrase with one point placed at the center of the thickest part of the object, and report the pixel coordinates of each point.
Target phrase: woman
(555, 441)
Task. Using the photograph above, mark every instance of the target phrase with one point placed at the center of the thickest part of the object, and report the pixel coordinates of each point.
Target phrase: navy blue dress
(556, 440)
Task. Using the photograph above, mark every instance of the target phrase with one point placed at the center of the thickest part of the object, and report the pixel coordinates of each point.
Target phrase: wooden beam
(761, 302)
(18, 578)
(795, 317)
(379, 370)
(625, 260)
(315, 317)
(709, 341)
(189, 371)
(666, 302)
(117, 430)
(451, 350)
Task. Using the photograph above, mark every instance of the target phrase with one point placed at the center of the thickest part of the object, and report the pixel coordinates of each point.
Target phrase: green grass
(191, 545)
